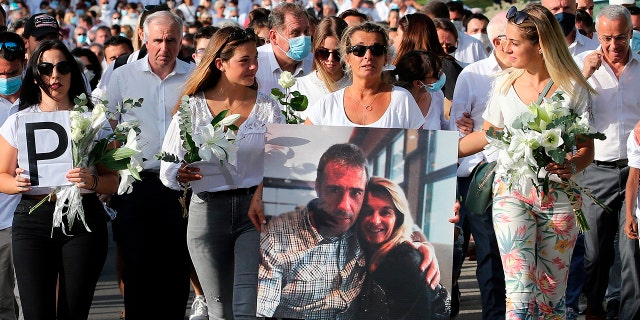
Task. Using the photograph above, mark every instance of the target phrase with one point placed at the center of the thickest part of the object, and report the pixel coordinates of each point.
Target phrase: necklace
(369, 106)
(535, 88)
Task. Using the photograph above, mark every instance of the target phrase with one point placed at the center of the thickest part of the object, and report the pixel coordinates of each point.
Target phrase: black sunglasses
(46, 68)
(516, 16)
(360, 50)
(155, 7)
(238, 35)
(324, 54)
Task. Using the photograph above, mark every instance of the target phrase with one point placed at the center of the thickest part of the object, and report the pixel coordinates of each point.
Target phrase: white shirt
(633, 151)
(435, 120)
(8, 202)
(471, 95)
(189, 12)
(269, 70)
(616, 107)
(312, 87)
(582, 43)
(382, 9)
(250, 141)
(136, 80)
(469, 49)
(402, 112)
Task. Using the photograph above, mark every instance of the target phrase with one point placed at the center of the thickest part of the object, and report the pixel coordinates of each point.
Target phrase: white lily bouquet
(291, 100)
(88, 150)
(214, 141)
(545, 134)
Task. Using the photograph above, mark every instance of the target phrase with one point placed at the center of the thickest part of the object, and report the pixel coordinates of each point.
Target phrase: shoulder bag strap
(545, 91)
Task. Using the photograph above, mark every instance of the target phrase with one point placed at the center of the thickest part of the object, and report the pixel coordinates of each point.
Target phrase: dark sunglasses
(11, 51)
(360, 50)
(156, 8)
(516, 16)
(46, 68)
(238, 35)
(324, 54)
(451, 49)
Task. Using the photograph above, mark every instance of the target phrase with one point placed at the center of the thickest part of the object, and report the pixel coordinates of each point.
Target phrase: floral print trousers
(536, 235)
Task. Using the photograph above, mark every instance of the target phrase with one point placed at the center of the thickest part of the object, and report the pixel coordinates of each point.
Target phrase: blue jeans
(577, 275)
(224, 248)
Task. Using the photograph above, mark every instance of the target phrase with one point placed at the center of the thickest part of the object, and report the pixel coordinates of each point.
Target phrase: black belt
(612, 164)
(239, 191)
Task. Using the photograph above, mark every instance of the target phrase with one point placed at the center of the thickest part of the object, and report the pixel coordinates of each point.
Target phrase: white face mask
(484, 38)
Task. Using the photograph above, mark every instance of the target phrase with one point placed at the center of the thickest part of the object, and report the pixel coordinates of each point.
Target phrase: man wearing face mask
(565, 13)
(12, 64)
(476, 26)
(289, 48)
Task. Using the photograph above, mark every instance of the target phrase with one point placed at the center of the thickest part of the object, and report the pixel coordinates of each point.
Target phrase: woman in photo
(394, 287)
(536, 233)
(223, 242)
(57, 268)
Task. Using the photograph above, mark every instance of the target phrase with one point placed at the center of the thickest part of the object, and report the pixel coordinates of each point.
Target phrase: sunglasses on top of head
(516, 16)
(324, 54)
(360, 50)
(46, 68)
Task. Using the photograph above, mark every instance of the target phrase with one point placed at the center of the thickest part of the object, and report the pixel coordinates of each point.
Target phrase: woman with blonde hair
(394, 287)
(222, 241)
(536, 232)
(368, 101)
(328, 68)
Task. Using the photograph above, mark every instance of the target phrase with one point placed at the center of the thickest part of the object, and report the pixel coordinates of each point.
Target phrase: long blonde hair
(404, 222)
(541, 27)
(328, 27)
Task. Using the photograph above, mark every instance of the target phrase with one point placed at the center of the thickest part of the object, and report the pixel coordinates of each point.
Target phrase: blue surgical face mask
(394, 6)
(79, 12)
(54, 4)
(436, 86)
(299, 47)
(74, 20)
(567, 22)
(133, 16)
(9, 86)
(81, 39)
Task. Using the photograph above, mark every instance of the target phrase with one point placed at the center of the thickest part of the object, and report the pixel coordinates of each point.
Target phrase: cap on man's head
(41, 24)
(622, 2)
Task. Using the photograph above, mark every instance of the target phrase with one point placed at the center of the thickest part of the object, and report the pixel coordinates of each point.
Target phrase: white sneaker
(199, 309)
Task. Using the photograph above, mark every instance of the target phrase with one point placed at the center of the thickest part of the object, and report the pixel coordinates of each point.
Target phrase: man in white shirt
(12, 64)
(613, 70)
(565, 13)
(188, 9)
(151, 228)
(470, 98)
(289, 48)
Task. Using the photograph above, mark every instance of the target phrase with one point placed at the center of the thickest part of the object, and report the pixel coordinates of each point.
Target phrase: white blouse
(402, 112)
(312, 87)
(250, 140)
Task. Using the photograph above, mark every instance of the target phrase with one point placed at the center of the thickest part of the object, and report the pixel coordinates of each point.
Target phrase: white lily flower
(212, 142)
(126, 179)
(229, 120)
(551, 139)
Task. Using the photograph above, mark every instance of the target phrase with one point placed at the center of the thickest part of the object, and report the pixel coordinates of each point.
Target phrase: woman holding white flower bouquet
(221, 237)
(44, 253)
(535, 191)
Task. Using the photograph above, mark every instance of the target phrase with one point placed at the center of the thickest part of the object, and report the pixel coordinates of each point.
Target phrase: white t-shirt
(312, 87)
(403, 111)
(633, 152)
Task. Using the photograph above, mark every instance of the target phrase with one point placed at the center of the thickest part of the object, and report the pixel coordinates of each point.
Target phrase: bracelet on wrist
(574, 169)
(96, 180)
(182, 185)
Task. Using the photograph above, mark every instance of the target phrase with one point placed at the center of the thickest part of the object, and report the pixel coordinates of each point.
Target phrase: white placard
(44, 144)
(212, 171)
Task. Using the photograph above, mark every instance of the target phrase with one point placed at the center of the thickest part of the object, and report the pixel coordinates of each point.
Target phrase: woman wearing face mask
(368, 101)
(328, 69)
(420, 73)
(394, 287)
(92, 67)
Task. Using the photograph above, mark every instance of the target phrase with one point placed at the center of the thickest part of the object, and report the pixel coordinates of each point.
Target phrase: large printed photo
(357, 223)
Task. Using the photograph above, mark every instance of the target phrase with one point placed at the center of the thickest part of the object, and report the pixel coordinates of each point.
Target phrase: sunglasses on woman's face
(46, 68)
(360, 50)
(516, 16)
(324, 54)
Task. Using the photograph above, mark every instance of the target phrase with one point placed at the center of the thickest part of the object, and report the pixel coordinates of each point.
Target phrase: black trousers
(152, 237)
(42, 255)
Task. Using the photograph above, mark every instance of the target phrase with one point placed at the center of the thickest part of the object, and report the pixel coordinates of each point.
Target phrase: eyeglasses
(516, 16)
(324, 54)
(618, 39)
(360, 50)
(237, 35)
(46, 68)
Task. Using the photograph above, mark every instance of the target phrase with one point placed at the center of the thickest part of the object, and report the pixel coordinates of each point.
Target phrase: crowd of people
(383, 64)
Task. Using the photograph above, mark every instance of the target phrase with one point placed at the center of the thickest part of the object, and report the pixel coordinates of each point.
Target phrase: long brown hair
(328, 27)
(419, 34)
(223, 45)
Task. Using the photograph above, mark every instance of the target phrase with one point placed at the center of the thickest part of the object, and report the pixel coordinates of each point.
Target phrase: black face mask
(567, 22)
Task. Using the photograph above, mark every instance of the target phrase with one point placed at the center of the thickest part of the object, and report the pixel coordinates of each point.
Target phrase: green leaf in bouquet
(557, 155)
(277, 94)
(166, 157)
(299, 103)
(113, 164)
(80, 100)
(134, 172)
(495, 134)
(119, 153)
(219, 117)
(232, 127)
